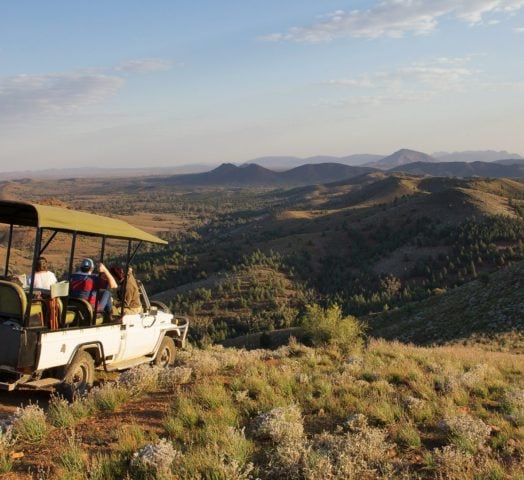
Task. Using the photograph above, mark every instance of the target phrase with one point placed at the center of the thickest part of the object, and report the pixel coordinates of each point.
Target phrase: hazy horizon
(130, 84)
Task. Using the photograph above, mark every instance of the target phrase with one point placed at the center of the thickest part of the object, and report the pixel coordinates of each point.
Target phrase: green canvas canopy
(65, 220)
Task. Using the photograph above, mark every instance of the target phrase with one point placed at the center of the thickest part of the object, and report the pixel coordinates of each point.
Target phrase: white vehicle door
(141, 335)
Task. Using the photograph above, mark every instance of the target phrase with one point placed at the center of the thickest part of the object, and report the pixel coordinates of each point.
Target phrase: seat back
(83, 311)
(13, 301)
(70, 314)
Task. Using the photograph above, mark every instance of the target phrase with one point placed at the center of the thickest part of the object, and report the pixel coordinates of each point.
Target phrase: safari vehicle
(48, 338)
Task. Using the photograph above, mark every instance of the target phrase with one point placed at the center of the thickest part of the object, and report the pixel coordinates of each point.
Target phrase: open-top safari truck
(48, 338)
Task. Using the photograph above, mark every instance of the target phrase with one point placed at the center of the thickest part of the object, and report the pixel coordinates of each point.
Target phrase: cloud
(145, 65)
(518, 29)
(418, 82)
(396, 18)
(442, 72)
(29, 95)
(22, 96)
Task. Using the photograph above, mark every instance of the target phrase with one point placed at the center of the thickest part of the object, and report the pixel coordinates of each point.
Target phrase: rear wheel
(79, 376)
(166, 353)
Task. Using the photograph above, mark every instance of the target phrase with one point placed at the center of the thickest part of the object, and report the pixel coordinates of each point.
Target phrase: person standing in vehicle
(131, 298)
(43, 278)
(85, 284)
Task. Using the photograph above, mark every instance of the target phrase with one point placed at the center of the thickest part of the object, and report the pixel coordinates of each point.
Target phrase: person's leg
(105, 302)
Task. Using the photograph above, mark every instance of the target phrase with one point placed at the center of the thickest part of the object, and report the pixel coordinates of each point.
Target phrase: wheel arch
(95, 349)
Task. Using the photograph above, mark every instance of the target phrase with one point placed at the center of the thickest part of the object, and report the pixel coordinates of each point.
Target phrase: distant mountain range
(462, 169)
(400, 157)
(476, 156)
(285, 163)
(287, 170)
(253, 175)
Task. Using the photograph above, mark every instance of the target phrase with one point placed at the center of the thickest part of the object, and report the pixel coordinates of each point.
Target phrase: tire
(165, 356)
(79, 376)
(160, 305)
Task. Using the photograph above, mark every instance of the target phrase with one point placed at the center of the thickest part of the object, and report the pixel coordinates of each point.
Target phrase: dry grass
(389, 411)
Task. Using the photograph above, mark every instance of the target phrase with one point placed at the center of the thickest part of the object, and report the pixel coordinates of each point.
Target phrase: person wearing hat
(85, 284)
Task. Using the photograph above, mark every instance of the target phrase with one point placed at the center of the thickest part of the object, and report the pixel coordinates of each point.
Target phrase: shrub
(60, 412)
(329, 327)
(141, 379)
(467, 433)
(106, 467)
(154, 459)
(363, 453)
(108, 397)
(72, 461)
(202, 362)
(171, 378)
(407, 436)
(129, 439)
(29, 424)
(451, 463)
(280, 425)
(6, 442)
(513, 405)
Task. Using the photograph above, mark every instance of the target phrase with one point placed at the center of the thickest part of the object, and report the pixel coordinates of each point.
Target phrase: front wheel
(79, 376)
(166, 353)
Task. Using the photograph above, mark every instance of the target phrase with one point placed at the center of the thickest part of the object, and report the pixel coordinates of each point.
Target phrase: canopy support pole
(8, 253)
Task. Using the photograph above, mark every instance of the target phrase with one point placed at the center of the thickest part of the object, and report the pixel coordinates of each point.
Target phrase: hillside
(385, 412)
(462, 169)
(488, 311)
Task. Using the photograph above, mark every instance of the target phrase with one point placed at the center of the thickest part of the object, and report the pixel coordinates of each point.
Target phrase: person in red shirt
(86, 284)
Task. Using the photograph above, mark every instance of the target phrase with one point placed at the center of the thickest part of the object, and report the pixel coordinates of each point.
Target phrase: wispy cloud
(144, 65)
(27, 95)
(444, 73)
(518, 29)
(396, 18)
(417, 82)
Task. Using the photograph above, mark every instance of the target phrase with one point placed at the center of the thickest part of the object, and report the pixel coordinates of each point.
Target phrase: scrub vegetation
(330, 411)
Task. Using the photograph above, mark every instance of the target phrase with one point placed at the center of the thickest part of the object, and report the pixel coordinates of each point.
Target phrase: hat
(87, 264)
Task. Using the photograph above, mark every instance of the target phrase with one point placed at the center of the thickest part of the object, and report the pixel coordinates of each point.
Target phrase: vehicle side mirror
(153, 310)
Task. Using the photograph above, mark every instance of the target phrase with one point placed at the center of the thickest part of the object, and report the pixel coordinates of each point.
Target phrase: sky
(130, 83)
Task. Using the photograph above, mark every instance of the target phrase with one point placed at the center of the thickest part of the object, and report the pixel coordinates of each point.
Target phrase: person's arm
(112, 282)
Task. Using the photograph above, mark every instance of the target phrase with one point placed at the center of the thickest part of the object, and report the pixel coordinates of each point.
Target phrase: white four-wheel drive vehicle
(48, 338)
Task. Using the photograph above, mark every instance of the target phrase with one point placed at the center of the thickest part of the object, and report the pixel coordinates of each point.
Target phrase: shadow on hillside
(266, 340)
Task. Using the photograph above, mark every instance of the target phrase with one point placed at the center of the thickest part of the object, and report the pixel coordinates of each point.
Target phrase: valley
(413, 288)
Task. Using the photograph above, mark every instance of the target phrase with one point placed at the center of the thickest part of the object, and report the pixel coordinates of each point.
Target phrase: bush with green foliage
(328, 326)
